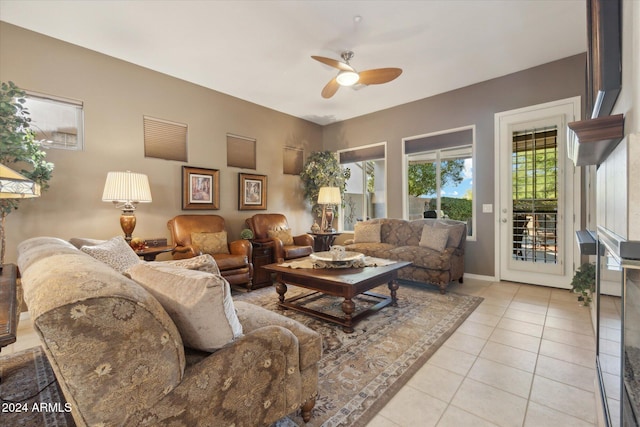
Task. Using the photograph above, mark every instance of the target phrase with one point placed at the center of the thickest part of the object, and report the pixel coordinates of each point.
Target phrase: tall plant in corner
(19, 149)
(322, 169)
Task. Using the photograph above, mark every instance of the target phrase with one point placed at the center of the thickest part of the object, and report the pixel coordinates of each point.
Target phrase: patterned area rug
(360, 372)
(29, 394)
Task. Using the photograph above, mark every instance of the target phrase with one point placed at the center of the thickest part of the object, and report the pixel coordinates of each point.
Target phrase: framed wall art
(252, 192)
(200, 188)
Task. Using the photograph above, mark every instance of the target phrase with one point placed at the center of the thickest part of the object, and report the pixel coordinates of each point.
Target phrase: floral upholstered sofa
(434, 246)
(126, 352)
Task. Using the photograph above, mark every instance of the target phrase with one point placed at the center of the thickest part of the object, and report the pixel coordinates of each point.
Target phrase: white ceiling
(260, 50)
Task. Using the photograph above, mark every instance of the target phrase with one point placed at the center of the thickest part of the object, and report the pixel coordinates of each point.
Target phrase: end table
(150, 254)
(8, 305)
(324, 240)
(262, 255)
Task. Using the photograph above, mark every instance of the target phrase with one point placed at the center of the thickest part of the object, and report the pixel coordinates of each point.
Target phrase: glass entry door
(534, 189)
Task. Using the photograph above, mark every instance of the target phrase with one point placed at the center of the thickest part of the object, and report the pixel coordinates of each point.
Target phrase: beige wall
(472, 105)
(116, 95)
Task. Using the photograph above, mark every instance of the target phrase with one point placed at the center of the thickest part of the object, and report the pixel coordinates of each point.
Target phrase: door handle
(504, 220)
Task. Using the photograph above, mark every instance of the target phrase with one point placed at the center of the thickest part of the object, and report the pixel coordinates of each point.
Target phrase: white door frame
(570, 110)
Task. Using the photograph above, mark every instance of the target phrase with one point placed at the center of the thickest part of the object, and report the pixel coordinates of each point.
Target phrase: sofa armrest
(303, 240)
(253, 317)
(252, 381)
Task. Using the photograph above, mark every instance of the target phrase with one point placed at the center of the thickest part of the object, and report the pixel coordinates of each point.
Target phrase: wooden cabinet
(262, 255)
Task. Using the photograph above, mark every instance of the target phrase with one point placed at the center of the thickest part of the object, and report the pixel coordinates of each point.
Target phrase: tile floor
(525, 357)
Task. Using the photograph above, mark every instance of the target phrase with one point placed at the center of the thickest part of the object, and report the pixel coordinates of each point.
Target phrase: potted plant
(584, 283)
(19, 149)
(322, 169)
(246, 234)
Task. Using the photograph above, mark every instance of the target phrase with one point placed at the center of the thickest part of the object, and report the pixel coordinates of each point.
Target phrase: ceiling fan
(348, 76)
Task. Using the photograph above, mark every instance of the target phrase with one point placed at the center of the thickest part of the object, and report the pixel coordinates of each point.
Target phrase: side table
(150, 254)
(324, 240)
(8, 305)
(262, 255)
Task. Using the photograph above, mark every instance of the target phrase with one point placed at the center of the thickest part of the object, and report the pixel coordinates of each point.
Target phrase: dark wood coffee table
(340, 282)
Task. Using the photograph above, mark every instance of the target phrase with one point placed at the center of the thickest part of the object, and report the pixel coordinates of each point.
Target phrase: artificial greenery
(19, 149)
(246, 234)
(322, 169)
(584, 283)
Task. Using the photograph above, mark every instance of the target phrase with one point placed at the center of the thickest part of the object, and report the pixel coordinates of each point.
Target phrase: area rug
(360, 372)
(29, 393)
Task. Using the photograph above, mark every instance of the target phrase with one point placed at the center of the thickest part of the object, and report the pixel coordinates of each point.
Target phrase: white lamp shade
(16, 186)
(126, 187)
(329, 196)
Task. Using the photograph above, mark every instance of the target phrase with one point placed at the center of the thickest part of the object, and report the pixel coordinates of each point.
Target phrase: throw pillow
(199, 303)
(201, 263)
(211, 243)
(455, 233)
(284, 235)
(115, 252)
(79, 242)
(366, 233)
(434, 238)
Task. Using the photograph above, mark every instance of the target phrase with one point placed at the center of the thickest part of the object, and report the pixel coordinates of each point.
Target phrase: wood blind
(164, 139)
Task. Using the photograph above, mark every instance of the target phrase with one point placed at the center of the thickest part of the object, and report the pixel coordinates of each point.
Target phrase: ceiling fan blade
(379, 76)
(330, 89)
(333, 63)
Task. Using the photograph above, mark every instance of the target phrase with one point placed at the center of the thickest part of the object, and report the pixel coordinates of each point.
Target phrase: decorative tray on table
(333, 259)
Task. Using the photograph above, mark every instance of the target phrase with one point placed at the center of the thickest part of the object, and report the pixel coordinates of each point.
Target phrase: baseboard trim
(479, 277)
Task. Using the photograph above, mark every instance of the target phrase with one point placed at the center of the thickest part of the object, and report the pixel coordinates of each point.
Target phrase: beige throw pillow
(199, 303)
(115, 252)
(434, 238)
(366, 233)
(284, 235)
(211, 243)
(455, 233)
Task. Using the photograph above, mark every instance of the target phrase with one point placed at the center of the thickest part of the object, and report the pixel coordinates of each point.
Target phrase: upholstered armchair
(205, 234)
(274, 229)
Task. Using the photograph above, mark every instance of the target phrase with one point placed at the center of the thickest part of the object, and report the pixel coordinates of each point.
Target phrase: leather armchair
(236, 266)
(261, 224)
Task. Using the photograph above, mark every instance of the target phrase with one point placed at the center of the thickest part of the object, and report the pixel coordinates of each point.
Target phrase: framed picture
(200, 188)
(252, 192)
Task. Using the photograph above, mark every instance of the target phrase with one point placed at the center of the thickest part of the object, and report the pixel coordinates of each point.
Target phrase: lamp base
(329, 221)
(128, 224)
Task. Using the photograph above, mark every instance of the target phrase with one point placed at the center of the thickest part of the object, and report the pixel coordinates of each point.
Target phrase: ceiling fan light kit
(348, 76)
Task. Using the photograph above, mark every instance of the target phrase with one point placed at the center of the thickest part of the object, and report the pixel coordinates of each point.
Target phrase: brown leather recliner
(236, 266)
(261, 224)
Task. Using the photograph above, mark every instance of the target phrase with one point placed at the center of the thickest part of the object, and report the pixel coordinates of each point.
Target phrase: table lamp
(328, 196)
(125, 190)
(14, 186)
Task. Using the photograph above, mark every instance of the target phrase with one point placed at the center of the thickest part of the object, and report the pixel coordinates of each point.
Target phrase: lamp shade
(126, 187)
(16, 186)
(329, 196)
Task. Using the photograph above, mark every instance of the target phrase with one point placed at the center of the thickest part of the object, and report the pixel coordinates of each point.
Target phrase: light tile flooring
(525, 357)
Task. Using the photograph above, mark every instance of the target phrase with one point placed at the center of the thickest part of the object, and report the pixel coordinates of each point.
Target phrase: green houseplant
(322, 169)
(584, 283)
(19, 150)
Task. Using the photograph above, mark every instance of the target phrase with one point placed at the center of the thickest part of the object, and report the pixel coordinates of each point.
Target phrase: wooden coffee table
(340, 282)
